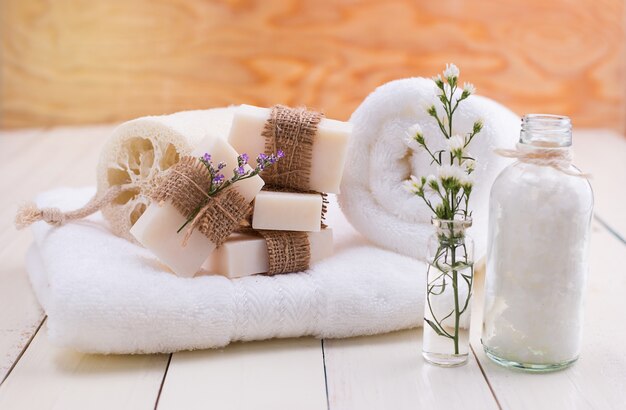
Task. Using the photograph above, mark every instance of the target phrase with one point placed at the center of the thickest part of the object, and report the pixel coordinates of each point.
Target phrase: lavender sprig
(241, 172)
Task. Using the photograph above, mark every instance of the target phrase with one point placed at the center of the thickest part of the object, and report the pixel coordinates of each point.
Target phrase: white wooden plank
(12, 143)
(48, 377)
(21, 314)
(603, 154)
(273, 374)
(60, 157)
(600, 153)
(45, 160)
(388, 372)
(598, 379)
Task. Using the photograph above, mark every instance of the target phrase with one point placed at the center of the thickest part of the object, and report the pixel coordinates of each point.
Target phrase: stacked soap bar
(287, 221)
(284, 208)
(245, 254)
(288, 211)
(158, 229)
(328, 153)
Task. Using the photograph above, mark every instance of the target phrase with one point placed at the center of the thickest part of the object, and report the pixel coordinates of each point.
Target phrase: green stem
(431, 155)
(193, 215)
(457, 312)
(450, 112)
(429, 292)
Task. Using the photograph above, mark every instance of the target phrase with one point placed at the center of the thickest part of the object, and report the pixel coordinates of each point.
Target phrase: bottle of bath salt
(539, 225)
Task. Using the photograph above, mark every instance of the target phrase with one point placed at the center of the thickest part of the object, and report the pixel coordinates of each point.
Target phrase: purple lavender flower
(206, 157)
(217, 179)
(261, 160)
(280, 153)
(221, 166)
(244, 158)
(241, 171)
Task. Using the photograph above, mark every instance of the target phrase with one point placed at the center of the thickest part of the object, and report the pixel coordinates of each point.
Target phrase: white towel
(104, 294)
(379, 159)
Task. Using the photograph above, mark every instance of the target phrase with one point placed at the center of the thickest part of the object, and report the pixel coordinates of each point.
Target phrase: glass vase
(449, 281)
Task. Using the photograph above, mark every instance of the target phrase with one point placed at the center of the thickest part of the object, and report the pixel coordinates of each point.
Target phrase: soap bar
(157, 228)
(328, 153)
(287, 211)
(246, 254)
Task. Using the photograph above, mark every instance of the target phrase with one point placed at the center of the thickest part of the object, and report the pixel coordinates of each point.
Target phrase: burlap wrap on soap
(287, 251)
(187, 186)
(291, 130)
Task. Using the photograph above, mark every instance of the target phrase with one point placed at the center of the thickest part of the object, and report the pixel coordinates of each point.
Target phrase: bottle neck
(452, 231)
(544, 131)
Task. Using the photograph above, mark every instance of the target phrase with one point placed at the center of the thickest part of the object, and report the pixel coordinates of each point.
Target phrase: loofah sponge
(138, 151)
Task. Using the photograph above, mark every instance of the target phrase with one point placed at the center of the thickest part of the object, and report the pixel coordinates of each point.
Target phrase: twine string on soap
(29, 213)
(210, 201)
(187, 186)
(202, 220)
(291, 130)
(287, 251)
(559, 159)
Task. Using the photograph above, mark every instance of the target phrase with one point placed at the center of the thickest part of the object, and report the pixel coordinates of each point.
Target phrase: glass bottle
(449, 283)
(539, 227)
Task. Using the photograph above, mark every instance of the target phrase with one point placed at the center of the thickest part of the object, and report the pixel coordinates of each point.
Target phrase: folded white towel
(379, 160)
(104, 294)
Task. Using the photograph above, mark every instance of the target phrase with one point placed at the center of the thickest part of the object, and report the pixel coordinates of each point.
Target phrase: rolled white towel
(379, 159)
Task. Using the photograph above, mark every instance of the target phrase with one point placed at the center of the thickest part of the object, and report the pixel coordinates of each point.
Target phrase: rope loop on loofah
(29, 213)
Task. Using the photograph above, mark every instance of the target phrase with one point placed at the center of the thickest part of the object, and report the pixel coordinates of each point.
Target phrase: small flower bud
(438, 81)
(451, 71)
(478, 125)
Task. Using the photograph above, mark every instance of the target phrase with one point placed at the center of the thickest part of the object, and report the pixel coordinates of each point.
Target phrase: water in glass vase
(447, 307)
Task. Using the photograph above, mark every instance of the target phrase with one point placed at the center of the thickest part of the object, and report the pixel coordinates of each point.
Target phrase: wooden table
(377, 372)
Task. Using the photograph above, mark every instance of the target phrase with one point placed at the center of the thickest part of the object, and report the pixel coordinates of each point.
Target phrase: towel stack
(287, 232)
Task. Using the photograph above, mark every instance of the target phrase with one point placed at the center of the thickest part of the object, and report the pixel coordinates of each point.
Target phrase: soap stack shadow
(287, 230)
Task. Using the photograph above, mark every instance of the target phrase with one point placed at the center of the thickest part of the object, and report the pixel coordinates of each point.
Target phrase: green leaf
(434, 326)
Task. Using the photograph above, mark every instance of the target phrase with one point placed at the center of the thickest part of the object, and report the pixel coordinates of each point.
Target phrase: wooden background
(86, 61)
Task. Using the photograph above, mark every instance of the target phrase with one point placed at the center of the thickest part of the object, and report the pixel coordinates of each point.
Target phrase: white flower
(451, 71)
(470, 165)
(414, 137)
(413, 185)
(468, 88)
(450, 172)
(455, 144)
(437, 79)
(414, 130)
(430, 180)
(467, 181)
